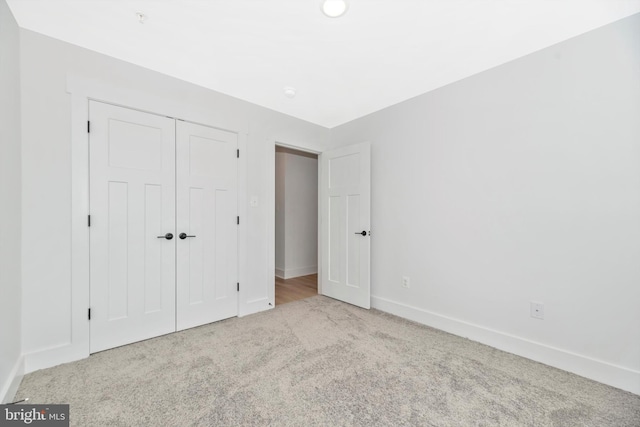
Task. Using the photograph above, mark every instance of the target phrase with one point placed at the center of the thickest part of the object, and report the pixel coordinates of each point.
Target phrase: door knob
(184, 236)
(167, 236)
(364, 233)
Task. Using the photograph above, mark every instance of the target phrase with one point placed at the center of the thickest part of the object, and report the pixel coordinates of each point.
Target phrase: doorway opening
(296, 225)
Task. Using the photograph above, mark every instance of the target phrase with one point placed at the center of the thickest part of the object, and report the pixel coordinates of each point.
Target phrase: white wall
(519, 184)
(47, 213)
(296, 213)
(10, 206)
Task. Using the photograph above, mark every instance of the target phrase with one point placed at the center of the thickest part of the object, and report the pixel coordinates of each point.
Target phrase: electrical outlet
(537, 310)
(406, 282)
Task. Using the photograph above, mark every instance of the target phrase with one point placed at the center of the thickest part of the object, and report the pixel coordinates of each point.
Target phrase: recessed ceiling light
(334, 8)
(290, 92)
(141, 17)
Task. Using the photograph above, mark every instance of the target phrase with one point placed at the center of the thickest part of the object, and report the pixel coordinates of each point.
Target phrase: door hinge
(89, 314)
(238, 218)
(88, 220)
(238, 286)
(88, 126)
(238, 153)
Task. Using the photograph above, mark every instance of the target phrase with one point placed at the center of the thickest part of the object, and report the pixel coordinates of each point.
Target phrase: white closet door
(345, 197)
(207, 212)
(132, 202)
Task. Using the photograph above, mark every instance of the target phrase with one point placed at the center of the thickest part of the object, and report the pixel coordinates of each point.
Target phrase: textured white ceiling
(380, 53)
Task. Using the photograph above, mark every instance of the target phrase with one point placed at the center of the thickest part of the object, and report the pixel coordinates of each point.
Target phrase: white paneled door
(141, 265)
(345, 216)
(132, 205)
(207, 215)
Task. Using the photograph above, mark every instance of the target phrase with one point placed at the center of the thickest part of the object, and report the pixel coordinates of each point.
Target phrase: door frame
(82, 89)
(271, 218)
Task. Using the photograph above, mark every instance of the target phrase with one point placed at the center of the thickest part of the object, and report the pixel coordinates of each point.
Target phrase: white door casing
(206, 185)
(132, 202)
(345, 200)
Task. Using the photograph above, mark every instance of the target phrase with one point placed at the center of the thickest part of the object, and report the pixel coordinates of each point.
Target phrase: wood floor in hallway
(296, 288)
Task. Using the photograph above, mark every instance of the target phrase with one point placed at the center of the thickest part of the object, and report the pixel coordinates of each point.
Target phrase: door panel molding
(133, 204)
(195, 169)
(345, 223)
(207, 208)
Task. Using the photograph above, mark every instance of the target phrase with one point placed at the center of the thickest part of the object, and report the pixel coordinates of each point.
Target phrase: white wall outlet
(406, 282)
(537, 310)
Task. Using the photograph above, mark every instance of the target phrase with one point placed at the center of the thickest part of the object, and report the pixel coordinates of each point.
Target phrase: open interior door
(345, 203)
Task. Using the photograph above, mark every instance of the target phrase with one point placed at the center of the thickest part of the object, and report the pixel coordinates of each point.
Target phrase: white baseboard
(54, 356)
(10, 388)
(598, 370)
(296, 272)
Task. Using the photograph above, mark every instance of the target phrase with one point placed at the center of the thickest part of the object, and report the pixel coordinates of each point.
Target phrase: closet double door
(163, 225)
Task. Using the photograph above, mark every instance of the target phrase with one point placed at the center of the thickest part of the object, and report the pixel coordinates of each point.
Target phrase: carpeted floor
(319, 362)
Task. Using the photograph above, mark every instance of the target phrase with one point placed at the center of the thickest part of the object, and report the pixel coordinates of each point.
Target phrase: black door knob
(184, 236)
(364, 233)
(167, 236)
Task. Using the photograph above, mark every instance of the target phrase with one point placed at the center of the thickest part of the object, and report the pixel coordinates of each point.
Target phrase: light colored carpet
(319, 362)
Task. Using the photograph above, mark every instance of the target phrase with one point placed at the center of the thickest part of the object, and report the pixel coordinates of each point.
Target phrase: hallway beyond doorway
(289, 290)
